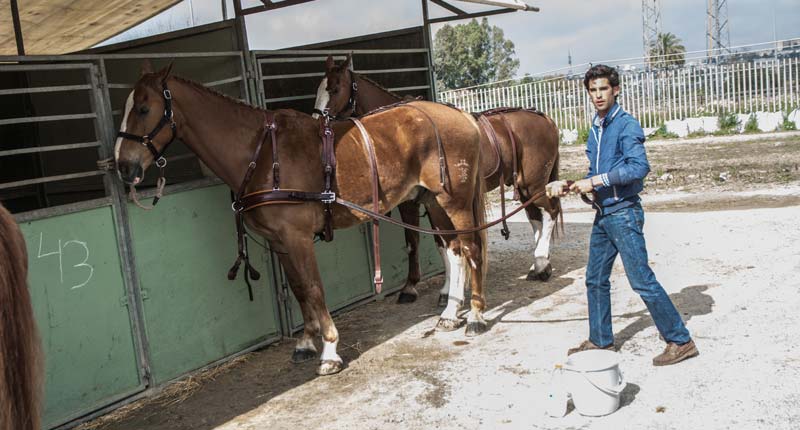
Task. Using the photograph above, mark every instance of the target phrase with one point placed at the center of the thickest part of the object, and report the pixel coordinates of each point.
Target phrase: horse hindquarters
(20, 354)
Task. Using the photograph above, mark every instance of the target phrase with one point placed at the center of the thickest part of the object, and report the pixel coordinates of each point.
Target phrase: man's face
(602, 94)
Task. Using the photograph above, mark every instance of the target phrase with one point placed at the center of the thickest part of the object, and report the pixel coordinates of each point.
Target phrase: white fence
(654, 97)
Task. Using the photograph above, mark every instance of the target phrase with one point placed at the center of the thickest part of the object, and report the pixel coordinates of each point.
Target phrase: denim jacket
(616, 152)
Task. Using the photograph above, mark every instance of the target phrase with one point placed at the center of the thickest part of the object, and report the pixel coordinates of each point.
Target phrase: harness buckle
(328, 197)
(167, 94)
(234, 207)
(161, 162)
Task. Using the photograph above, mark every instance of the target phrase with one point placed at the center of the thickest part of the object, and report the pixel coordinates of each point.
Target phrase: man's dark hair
(601, 71)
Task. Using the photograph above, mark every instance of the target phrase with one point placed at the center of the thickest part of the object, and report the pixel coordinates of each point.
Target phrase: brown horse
(20, 354)
(224, 133)
(345, 93)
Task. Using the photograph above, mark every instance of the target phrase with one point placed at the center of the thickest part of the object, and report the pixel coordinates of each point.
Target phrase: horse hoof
(442, 300)
(404, 298)
(446, 324)
(475, 328)
(543, 276)
(303, 355)
(329, 367)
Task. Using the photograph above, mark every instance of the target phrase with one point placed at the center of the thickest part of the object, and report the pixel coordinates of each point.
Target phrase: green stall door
(193, 314)
(79, 300)
(345, 269)
(394, 257)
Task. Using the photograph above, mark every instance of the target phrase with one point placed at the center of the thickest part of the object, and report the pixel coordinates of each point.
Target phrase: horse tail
(20, 354)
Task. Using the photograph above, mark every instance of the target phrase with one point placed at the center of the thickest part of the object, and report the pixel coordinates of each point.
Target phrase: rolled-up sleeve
(634, 164)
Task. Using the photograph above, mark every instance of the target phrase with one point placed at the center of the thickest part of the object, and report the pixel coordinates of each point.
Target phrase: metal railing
(654, 97)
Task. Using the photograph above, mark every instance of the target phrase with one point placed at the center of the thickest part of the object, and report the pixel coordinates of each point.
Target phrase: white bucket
(594, 381)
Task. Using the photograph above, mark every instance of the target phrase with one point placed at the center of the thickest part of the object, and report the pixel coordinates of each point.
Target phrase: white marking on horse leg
(329, 351)
(543, 247)
(123, 126)
(537, 238)
(306, 342)
(455, 296)
(446, 287)
(322, 97)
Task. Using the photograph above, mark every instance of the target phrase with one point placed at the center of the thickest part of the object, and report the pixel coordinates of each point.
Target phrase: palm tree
(667, 50)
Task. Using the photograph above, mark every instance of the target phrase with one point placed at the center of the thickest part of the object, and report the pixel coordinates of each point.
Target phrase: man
(617, 166)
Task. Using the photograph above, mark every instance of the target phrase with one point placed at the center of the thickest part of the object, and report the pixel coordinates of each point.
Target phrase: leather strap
(513, 141)
(250, 271)
(369, 147)
(329, 170)
(487, 126)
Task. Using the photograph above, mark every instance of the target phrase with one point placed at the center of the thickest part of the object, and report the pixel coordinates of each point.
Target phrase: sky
(590, 31)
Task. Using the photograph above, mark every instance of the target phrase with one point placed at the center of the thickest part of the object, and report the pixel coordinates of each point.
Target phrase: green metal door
(80, 305)
(345, 270)
(193, 314)
(394, 256)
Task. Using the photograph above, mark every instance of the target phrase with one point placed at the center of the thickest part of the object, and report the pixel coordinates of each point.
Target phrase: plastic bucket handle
(611, 391)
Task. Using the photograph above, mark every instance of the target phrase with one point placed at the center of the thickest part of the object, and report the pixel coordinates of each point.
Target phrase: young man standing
(617, 167)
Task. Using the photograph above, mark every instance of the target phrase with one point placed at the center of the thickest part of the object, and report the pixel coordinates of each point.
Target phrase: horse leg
(541, 268)
(451, 295)
(301, 268)
(409, 212)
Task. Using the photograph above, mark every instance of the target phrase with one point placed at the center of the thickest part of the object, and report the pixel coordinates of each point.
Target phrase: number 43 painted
(59, 253)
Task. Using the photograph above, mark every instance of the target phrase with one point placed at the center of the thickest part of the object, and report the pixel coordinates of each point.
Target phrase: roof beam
(268, 5)
(510, 4)
(449, 7)
(470, 15)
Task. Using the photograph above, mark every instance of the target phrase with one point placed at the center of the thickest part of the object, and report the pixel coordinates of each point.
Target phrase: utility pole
(718, 38)
(651, 27)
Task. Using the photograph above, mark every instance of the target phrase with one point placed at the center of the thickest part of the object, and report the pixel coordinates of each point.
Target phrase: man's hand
(583, 186)
(556, 189)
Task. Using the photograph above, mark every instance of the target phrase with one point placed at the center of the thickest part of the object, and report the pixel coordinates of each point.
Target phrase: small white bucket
(594, 381)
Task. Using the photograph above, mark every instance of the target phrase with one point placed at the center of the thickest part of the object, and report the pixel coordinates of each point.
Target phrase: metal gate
(125, 299)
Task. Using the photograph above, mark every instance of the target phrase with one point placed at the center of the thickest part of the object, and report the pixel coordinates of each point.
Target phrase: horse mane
(200, 87)
(20, 362)
(379, 86)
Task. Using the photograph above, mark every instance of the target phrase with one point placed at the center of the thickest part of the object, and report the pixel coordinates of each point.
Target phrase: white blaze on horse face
(123, 125)
(322, 97)
(329, 351)
(458, 277)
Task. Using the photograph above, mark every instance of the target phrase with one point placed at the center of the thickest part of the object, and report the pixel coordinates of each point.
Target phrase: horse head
(335, 92)
(147, 125)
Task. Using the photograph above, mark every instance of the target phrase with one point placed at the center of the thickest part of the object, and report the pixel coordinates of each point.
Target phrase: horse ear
(165, 72)
(348, 61)
(329, 63)
(147, 67)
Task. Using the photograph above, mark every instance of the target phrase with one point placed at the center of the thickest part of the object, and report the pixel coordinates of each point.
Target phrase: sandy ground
(729, 260)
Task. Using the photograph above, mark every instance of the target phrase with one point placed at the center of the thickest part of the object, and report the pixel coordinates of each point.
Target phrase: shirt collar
(598, 122)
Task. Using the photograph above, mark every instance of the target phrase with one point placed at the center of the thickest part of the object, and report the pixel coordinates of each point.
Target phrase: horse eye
(144, 109)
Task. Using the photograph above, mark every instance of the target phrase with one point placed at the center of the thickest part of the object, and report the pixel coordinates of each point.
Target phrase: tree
(667, 50)
(472, 54)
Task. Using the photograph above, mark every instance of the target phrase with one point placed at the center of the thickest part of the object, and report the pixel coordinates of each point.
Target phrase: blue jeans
(620, 232)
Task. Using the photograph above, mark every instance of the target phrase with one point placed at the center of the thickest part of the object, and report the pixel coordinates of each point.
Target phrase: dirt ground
(726, 250)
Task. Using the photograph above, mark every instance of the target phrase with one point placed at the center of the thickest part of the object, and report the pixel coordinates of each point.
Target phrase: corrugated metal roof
(63, 26)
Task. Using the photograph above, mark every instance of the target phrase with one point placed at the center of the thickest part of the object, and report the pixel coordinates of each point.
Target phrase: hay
(171, 395)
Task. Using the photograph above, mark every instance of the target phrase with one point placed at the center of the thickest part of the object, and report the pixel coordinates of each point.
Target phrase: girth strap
(250, 271)
(373, 167)
(329, 172)
(514, 163)
(487, 126)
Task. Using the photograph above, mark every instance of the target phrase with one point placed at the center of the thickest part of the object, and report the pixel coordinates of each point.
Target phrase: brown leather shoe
(587, 345)
(675, 353)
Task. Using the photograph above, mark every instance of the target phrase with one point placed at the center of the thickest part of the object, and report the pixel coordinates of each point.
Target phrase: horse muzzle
(130, 173)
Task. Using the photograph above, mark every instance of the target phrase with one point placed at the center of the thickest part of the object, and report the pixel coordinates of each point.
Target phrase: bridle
(349, 107)
(147, 139)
